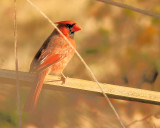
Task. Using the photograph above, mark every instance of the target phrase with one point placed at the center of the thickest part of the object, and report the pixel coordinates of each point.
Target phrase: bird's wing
(48, 61)
(45, 60)
(48, 54)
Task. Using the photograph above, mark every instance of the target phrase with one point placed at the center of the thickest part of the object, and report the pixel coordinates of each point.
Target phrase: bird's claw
(63, 79)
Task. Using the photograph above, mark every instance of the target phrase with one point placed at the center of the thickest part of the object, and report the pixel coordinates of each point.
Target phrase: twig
(145, 12)
(16, 66)
(143, 119)
(87, 67)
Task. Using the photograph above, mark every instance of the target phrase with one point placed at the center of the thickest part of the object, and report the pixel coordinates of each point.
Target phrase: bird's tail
(35, 91)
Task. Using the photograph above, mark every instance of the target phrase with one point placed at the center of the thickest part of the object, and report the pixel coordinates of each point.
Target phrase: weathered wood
(84, 86)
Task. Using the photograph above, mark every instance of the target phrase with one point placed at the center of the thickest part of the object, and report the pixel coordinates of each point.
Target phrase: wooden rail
(84, 86)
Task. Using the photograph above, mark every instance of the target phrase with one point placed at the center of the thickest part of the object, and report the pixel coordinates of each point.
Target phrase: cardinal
(53, 56)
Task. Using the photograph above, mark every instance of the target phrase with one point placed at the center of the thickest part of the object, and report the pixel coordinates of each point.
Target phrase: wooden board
(83, 86)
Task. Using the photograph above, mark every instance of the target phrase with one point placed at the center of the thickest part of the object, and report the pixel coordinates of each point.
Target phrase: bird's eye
(68, 25)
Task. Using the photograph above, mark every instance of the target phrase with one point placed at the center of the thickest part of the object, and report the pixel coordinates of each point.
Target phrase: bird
(53, 56)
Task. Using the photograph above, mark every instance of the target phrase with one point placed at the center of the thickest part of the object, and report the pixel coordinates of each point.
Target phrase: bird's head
(68, 28)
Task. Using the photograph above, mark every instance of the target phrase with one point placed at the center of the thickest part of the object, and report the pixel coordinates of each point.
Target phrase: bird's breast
(66, 51)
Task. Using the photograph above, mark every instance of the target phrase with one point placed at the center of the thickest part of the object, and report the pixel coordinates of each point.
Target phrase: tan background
(121, 47)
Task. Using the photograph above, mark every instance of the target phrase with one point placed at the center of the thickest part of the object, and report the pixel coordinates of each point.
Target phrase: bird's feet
(63, 78)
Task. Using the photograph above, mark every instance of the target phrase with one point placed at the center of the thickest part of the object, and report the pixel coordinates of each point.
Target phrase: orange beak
(75, 28)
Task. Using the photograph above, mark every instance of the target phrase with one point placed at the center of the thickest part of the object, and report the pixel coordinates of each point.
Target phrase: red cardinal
(53, 56)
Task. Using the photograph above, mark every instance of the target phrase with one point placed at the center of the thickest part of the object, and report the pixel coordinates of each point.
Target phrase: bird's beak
(75, 28)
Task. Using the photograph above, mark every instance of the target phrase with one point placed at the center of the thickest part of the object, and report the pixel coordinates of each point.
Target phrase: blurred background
(120, 46)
